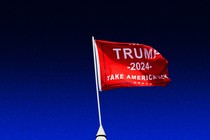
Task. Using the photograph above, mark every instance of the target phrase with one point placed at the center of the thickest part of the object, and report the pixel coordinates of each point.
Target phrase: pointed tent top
(101, 132)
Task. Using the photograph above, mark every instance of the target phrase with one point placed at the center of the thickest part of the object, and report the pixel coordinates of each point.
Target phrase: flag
(122, 64)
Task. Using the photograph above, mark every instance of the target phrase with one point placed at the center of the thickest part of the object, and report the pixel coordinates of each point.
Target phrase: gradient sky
(47, 87)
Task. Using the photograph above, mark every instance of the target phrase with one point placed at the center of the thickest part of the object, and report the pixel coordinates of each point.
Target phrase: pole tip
(101, 135)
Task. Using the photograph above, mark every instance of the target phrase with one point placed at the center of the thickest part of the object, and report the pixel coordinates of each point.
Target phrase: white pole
(96, 81)
(100, 134)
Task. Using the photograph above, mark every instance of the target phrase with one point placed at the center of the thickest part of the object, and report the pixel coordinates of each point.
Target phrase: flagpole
(100, 134)
(96, 82)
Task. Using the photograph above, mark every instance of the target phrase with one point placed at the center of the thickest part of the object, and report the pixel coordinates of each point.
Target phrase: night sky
(47, 84)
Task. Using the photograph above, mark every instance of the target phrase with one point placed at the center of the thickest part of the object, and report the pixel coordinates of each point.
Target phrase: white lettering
(143, 77)
(115, 77)
(121, 76)
(108, 77)
(136, 55)
(117, 52)
(150, 77)
(156, 53)
(133, 76)
(127, 52)
(147, 54)
(112, 77)
(128, 77)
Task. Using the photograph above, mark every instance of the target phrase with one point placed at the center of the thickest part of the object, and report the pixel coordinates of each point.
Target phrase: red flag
(129, 65)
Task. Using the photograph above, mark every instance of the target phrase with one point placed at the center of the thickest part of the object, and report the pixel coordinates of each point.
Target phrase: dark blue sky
(47, 89)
